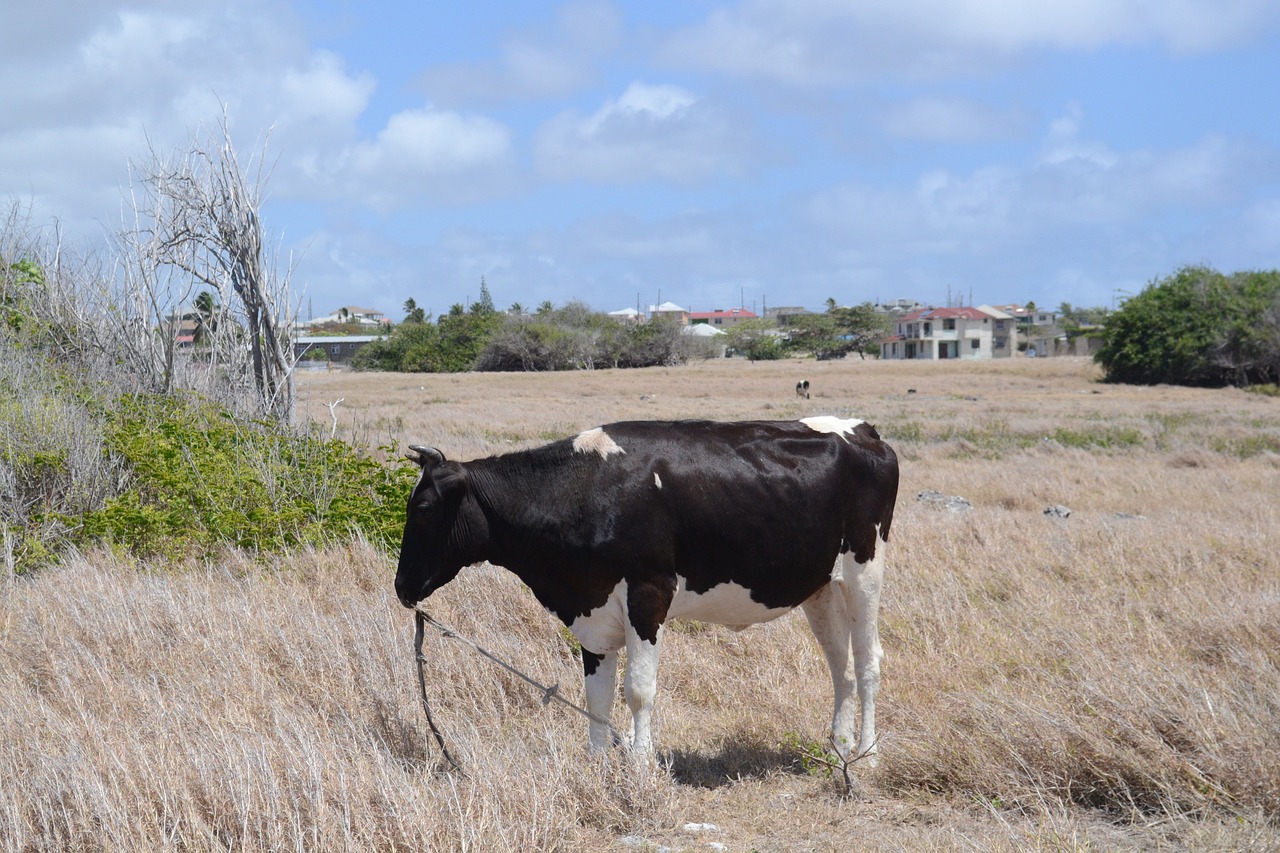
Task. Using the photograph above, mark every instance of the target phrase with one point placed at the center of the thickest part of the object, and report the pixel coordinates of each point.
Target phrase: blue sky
(714, 154)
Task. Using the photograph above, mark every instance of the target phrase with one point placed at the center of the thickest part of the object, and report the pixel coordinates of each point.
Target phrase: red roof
(711, 315)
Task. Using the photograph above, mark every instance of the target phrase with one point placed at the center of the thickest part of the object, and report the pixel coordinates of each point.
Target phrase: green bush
(450, 345)
(1107, 438)
(1197, 327)
(199, 477)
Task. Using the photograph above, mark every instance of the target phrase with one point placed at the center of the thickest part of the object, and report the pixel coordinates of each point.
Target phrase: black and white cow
(623, 527)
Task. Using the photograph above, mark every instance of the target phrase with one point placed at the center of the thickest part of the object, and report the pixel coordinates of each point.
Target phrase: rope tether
(548, 692)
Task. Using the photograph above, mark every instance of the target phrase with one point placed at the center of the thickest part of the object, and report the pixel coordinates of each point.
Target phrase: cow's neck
(516, 533)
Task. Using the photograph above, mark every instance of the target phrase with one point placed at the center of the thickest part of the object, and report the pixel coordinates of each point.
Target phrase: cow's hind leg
(601, 679)
(827, 613)
(862, 585)
(641, 687)
(844, 617)
(647, 607)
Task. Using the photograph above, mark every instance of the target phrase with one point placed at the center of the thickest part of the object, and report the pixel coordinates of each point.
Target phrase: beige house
(1004, 332)
(671, 310)
(943, 333)
(351, 314)
(720, 318)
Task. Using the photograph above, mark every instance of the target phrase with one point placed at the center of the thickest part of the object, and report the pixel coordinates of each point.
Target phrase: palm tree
(412, 313)
(206, 322)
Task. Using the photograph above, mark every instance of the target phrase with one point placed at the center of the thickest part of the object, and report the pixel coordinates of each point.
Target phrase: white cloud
(1079, 212)
(1063, 143)
(638, 105)
(323, 91)
(110, 79)
(650, 132)
(829, 42)
(950, 119)
(428, 156)
(541, 62)
(1080, 182)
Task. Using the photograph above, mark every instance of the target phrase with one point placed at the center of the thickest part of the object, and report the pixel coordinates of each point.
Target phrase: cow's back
(766, 505)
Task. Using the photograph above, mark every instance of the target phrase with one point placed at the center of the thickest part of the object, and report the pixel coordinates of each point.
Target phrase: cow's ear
(425, 457)
(449, 480)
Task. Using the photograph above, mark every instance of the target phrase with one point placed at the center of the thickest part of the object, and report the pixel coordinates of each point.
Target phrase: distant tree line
(480, 337)
(1197, 327)
(573, 337)
(833, 334)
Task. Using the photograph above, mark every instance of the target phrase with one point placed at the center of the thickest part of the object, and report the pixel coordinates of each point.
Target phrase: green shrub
(1196, 327)
(1245, 447)
(199, 477)
(1106, 438)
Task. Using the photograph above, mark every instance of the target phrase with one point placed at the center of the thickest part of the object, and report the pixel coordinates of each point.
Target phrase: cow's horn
(424, 455)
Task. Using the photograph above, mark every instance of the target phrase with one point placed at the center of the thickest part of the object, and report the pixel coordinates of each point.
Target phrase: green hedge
(199, 477)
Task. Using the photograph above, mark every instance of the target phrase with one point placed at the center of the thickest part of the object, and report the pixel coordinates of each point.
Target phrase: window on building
(336, 349)
(949, 325)
(973, 343)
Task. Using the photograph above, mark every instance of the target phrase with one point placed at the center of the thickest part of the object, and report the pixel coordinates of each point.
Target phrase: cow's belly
(725, 604)
(603, 630)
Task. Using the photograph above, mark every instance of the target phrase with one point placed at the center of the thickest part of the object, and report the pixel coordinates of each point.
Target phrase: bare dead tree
(195, 223)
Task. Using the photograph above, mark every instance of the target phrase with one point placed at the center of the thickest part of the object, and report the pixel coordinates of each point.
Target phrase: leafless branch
(193, 222)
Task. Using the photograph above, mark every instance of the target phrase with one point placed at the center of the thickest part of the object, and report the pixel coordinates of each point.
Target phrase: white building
(938, 333)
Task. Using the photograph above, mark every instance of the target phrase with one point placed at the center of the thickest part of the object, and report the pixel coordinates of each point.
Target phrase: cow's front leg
(601, 673)
(646, 611)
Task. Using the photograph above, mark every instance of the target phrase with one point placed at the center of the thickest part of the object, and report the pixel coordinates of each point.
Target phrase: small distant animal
(623, 527)
(802, 388)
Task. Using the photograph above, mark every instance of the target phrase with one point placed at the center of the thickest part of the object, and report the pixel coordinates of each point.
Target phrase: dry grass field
(1108, 681)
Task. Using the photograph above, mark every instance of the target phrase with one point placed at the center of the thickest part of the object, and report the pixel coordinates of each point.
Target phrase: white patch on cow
(603, 630)
(607, 628)
(597, 441)
(829, 423)
(657, 481)
(724, 604)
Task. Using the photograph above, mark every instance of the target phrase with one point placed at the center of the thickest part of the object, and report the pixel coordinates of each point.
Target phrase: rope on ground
(422, 687)
(549, 693)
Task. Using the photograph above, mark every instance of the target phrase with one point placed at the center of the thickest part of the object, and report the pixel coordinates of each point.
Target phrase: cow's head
(431, 552)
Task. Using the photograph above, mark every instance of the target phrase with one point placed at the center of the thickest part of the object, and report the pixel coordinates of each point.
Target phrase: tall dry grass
(1109, 680)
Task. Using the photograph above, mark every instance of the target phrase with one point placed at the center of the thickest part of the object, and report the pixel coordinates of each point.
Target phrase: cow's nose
(407, 598)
